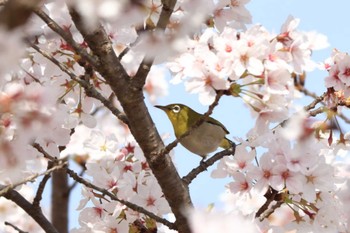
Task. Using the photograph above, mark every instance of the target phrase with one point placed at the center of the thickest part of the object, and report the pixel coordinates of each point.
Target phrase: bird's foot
(203, 163)
(233, 147)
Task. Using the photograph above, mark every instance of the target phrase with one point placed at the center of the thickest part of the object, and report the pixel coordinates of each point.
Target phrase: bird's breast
(204, 139)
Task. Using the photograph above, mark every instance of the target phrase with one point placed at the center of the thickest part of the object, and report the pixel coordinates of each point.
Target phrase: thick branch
(140, 122)
(35, 213)
(60, 200)
(16, 12)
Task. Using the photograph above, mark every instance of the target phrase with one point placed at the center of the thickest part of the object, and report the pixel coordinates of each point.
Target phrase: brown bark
(32, 211)
(130, 95)
(59, 200)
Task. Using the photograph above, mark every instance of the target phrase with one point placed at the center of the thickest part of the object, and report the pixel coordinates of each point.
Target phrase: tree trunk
(59, 200)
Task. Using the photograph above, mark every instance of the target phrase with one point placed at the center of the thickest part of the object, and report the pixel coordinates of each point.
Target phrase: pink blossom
(263, 174)
(241, 183)
(344, 70)
(284, 178)
(204, 222)
(333, 80)
(156, 85)
(233, 12)
(318, 178)
(278, 81)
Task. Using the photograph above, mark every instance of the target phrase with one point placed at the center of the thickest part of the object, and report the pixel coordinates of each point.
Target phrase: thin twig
(270, 197)
(7, 188)
(270, 211)
(130, 205)
(89, 89)
(14, 227)
(67, 37)
(167, 9)
(204, 165)
(43, 152)
(92, 92)
(39, 192)
(76, 182)
(205, 116)
(316, 97)
(105, 192)
(317, 111)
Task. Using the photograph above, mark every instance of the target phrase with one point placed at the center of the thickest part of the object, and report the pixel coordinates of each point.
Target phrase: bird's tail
(226, 143)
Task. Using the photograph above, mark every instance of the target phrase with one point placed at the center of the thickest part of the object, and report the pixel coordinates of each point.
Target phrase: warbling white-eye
(204, 139)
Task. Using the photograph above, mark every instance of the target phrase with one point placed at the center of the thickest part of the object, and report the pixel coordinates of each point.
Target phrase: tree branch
(270, 211)
(105, 192)
(35, 213)
(89, 89)
(204, 165)
(130, 205)
(145, 66)
(8, 188)
(43, 152)
(39, 192)
(14, 227)
(317, 98)
(60, 200)
(141, 125)
(264, 211)
(317, 111)
(67, 37)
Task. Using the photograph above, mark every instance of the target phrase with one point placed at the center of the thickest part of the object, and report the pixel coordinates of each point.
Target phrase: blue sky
(329, 18)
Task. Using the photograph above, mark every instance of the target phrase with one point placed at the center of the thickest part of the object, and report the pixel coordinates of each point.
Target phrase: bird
(204, 139)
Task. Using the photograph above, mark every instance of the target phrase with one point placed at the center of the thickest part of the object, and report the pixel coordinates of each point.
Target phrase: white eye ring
(176, 109)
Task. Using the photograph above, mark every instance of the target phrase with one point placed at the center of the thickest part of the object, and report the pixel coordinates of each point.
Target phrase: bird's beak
(164, 108)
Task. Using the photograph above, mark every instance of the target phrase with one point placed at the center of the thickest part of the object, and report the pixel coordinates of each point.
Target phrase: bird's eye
(176, 109)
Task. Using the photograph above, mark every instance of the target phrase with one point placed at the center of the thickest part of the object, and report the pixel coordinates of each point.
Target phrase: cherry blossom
(290, 162)
(12, 49)
(224, 222)
(156, 85)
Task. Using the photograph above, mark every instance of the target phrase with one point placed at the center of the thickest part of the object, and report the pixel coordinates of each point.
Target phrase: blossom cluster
(304, 172)
(124, 173)
(254, 64)
(42, 103)
(338, 67)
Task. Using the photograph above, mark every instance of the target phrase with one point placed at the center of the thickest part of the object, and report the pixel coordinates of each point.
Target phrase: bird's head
(180, 116)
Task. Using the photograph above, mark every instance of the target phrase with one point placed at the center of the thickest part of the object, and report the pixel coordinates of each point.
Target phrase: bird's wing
(216, 122)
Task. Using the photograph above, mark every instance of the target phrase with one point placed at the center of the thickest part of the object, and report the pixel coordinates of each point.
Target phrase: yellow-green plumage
(203, 140)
